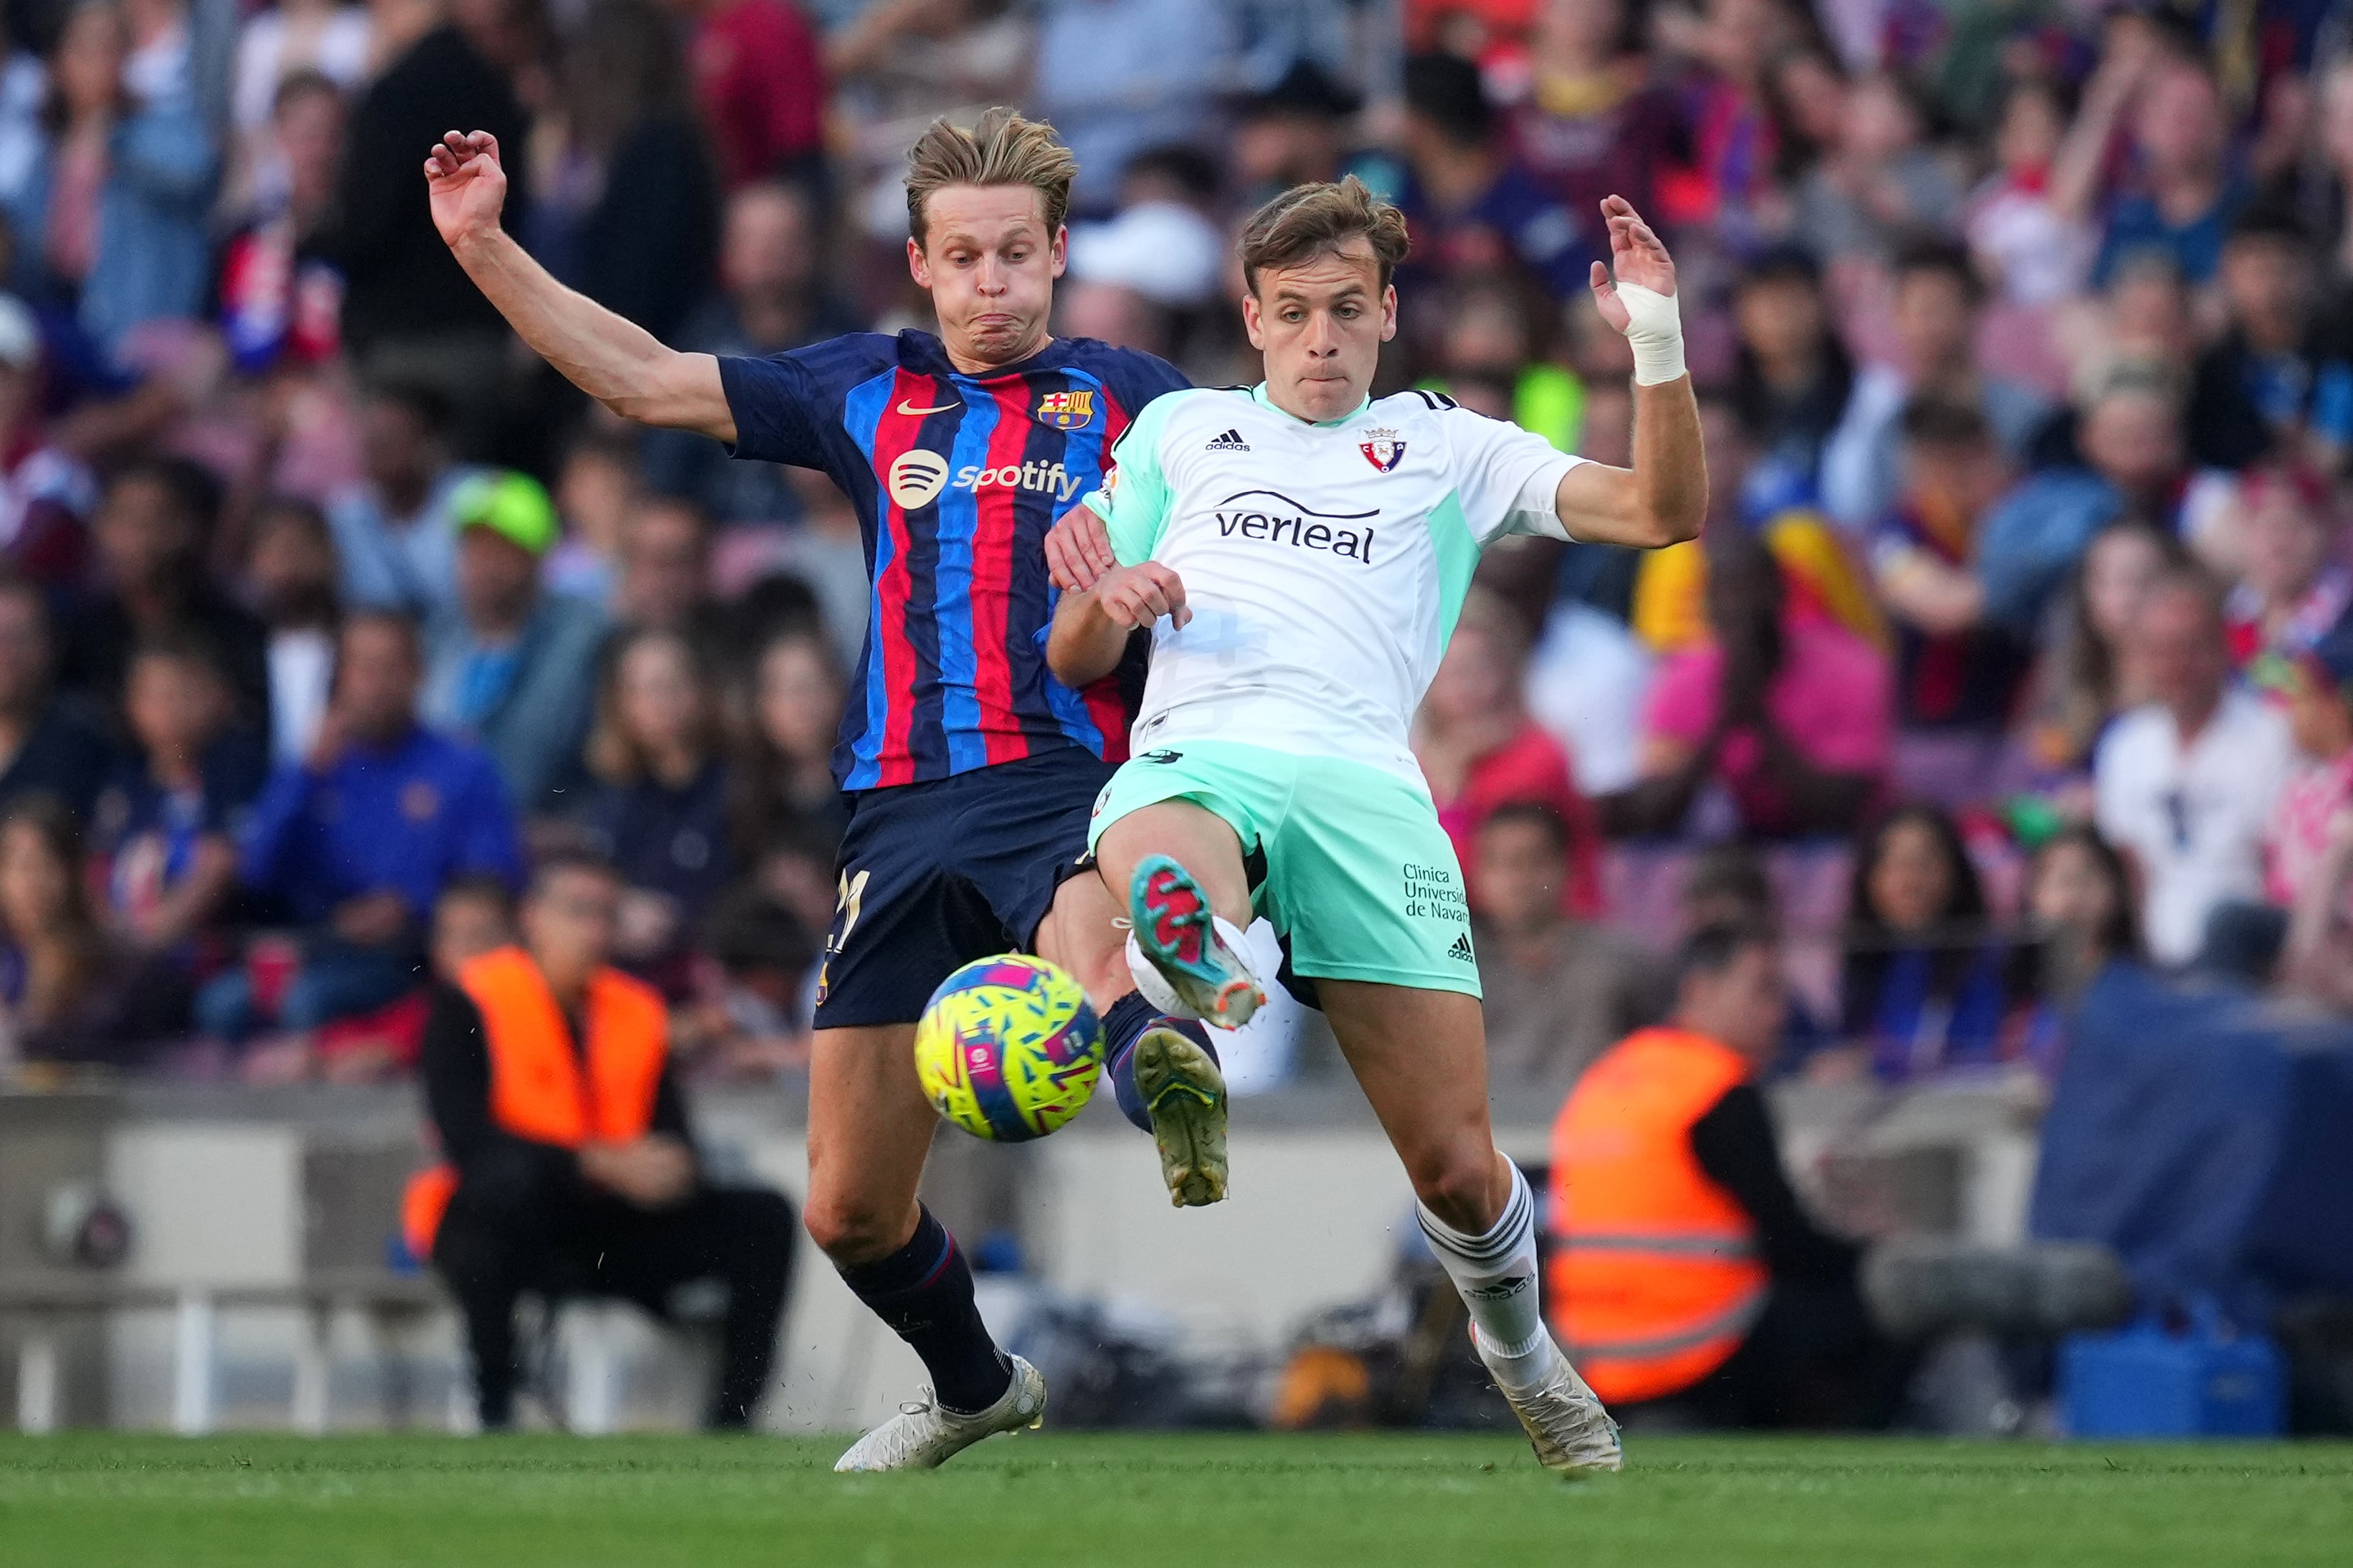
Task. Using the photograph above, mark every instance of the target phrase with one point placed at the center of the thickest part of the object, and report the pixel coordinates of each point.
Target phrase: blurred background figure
(542, 1193)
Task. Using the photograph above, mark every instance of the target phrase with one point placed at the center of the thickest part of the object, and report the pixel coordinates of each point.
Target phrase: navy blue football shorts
(936, 875)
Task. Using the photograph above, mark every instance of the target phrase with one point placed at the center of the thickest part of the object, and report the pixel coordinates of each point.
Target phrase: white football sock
(1496, 1274)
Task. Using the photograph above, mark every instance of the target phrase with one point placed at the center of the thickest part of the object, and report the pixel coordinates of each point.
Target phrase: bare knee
(852, 1230)
(1460, 1181)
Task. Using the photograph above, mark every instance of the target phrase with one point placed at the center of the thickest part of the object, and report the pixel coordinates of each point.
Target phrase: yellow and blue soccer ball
(1007, 1049)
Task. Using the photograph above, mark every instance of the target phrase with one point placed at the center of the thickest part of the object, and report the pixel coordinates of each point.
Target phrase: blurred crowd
(2017, 643)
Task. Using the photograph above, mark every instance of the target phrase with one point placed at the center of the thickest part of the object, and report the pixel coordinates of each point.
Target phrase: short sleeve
(1134, 500)
(773, 401)
(1506, 478)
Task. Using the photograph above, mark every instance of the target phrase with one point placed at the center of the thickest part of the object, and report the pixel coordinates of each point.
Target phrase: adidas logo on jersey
(1231, 441)
(1462, 949)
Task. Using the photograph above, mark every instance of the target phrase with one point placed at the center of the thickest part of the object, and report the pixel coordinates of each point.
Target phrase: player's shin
(924, 1291)
(1497, 1276)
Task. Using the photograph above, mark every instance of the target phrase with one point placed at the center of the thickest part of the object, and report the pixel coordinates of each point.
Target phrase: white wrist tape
(1655, 329)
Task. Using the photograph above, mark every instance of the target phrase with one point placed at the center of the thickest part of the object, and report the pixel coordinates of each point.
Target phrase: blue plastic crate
(2198, 1379)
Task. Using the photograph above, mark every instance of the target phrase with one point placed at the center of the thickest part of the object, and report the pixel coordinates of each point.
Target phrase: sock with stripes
(924, 1291)
(1497, 1276)
(1124, 1025)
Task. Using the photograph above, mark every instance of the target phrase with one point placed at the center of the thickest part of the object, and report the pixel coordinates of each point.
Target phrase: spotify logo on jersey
(917, 476)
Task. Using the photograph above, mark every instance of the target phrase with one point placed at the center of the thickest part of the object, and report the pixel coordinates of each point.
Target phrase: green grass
(1132, 1502)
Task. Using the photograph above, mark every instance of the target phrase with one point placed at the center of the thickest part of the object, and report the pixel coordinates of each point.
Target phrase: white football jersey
(1324, 563)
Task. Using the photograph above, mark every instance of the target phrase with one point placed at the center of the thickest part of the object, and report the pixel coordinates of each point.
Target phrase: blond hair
(1307, 221)
(1002, 149)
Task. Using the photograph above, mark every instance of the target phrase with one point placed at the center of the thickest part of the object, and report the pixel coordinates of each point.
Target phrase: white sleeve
(1506, 478)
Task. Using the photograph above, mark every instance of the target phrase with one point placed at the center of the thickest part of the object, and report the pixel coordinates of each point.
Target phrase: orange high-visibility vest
(1655, 1277)
(537, 1089)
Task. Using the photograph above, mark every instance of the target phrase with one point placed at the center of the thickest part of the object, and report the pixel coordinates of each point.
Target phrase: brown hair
(1307, 221)
(612, 755)
(1003, 149)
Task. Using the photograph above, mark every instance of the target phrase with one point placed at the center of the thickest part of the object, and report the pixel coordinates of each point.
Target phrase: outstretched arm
(1662, 499)
(613, 359)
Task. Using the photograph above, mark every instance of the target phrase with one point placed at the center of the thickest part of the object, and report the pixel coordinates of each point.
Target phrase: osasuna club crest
(1382, 449)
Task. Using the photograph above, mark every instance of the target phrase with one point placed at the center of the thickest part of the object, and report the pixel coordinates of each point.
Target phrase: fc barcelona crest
(1066, 410)
(1382, 449)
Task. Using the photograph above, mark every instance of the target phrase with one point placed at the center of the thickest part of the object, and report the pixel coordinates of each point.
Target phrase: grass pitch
(1133, 1501)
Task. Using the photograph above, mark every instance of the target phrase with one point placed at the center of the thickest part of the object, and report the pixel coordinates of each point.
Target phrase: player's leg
(1177, 864)
(1023, 840)
(896, 935)
(1421, 1059)
(1378, 923)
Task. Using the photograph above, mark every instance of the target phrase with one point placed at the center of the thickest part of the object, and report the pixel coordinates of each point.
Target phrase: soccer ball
(1007, 1049)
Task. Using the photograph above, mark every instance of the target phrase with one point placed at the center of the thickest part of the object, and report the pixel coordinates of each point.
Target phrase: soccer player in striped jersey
(1299, 549)
(969, 768)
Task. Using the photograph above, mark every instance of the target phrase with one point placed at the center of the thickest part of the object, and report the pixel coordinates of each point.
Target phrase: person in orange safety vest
(1683, 1268)
(570, 1167)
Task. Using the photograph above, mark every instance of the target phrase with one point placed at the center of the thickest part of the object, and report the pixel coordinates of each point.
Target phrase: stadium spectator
(46, 746)
(2035, 254)
(2294, 588)
(277, 291)
(474, 915)
(634, 221)
(1791, 713)
(2079, 905)
(2080, 680)
(293, 38)
(290, 577)
(664, 579)
(70, 993)
(1474, 212)
(1935, 321)
(1876, 183)
(1684, 1269)
(2308, 845)
(45, 493)
(2130, 435)
(1116, 77)
(1957, 678)
(155, 519)
(759, 74)
(2186, 783)
(657, 805)
(784, 778)
(1791, 376)
(751, 1012)
(396, 536)
(1923, 984)
(772, 297)
(1559, 990)
(597, 484)
(109, 217)
(2278, 378)
(514, 671)
(166, 827)
(1592, 122)
(1479, 749)
(556, 1189)
(2184, 193)
(355, 842)
(1291, 133)
(408, 312)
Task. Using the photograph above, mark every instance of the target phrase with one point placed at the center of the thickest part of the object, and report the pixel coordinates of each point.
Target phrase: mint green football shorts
(1359, 876)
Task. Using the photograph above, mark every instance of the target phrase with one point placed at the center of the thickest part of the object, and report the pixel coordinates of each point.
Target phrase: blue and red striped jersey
(956, 478)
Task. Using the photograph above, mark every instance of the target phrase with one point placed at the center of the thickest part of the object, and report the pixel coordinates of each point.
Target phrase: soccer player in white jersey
(1299, 552)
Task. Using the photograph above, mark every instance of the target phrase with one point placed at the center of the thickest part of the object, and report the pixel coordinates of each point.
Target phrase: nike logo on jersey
(913, 413)
(1231, 441)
